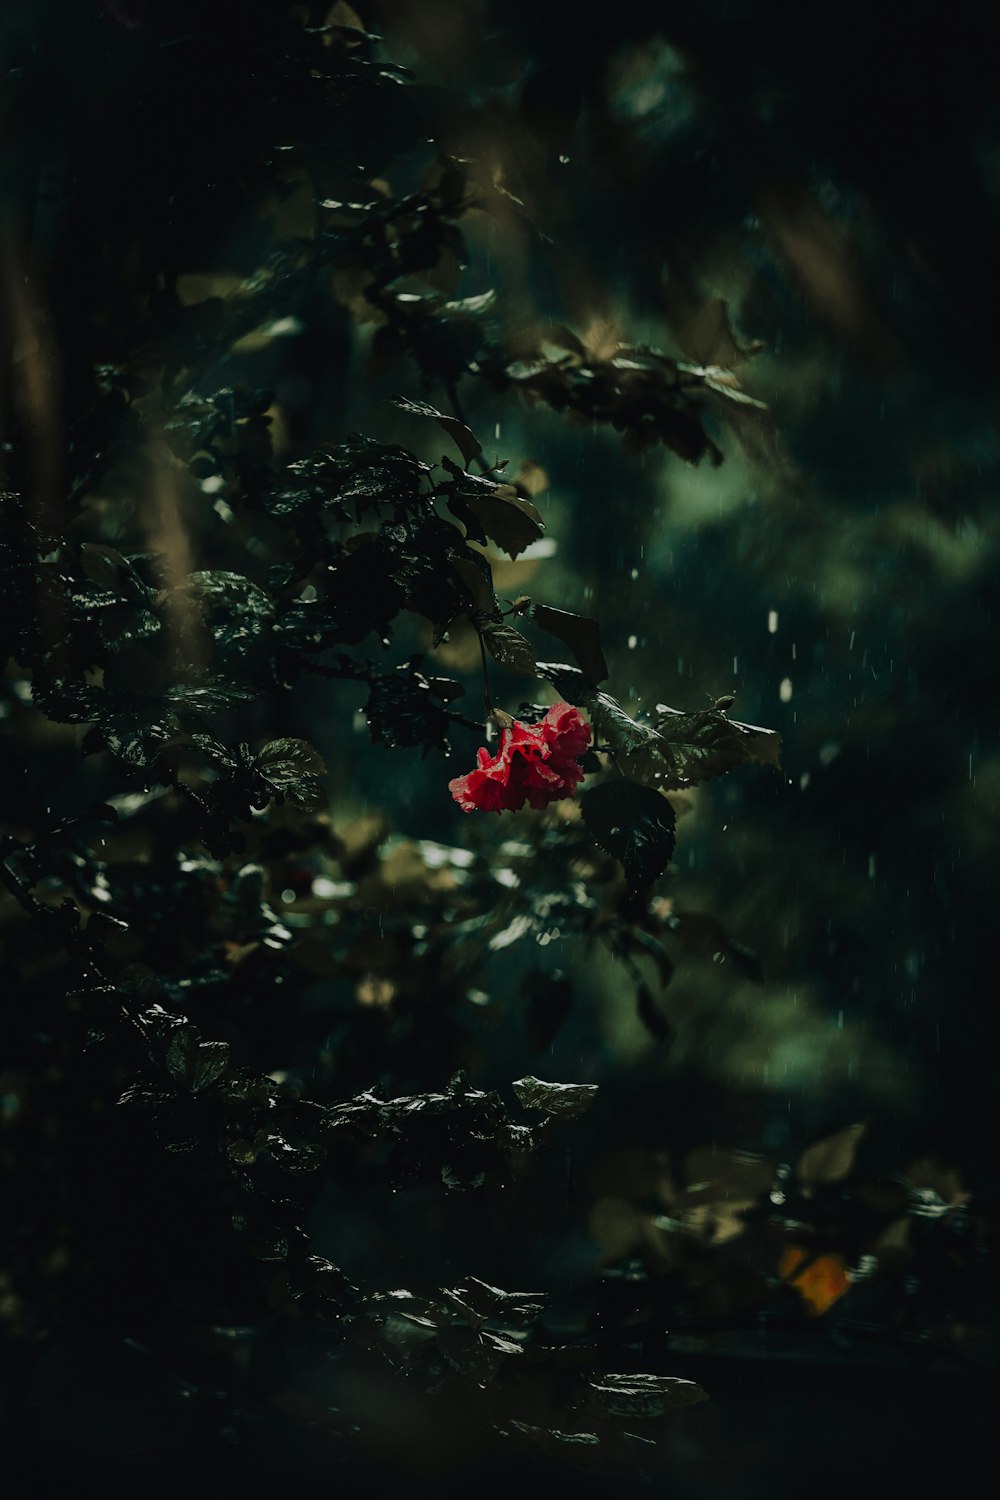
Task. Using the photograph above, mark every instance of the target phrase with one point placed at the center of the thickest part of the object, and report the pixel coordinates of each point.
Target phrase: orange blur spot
(819, 1282)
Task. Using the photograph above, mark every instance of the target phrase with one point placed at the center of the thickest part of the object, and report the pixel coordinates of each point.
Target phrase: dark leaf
(563, 1101)
(137, 736)
(512, 523)
(236, 613)
(623, 733)
(364, 591)
(480, 1302)
(106, 568)
(207, 697)
(688, 748)
(465, 441)
(194, 1062)
(286, 760)
(569, 682)
(643, 1395)
(291, 767)
(475, 577)
(403, 710)
(632, 823)
(580, 633)
(554, 1436)
(509, 647)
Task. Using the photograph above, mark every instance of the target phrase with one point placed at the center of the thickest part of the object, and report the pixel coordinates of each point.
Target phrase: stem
(487, 701)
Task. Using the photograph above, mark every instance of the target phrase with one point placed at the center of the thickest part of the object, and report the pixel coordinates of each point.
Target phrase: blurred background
(808, 203)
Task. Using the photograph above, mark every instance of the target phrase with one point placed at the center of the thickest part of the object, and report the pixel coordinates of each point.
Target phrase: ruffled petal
(535, 764)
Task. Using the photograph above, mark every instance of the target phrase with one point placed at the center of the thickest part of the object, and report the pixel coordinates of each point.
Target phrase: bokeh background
(811, 203)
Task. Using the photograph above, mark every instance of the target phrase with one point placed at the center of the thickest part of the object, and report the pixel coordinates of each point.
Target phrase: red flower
(537, 764)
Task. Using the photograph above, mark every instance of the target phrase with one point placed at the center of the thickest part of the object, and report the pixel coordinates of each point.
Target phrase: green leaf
(474, 576)
(512, 523)
(137, 736)
(632, 823)
(478, 1301)
(291, 767)
(283, 761)
(562, 1101)
(554, 1435)
(463, 437)
(106, 568)
(689, 748)
(404, 710)
(569, 682)
(643, 1395)
(508, 520)
(509, 647)
(623, 733)
(207, 697)
(194, 1062)
(236, 611)
(580, 633)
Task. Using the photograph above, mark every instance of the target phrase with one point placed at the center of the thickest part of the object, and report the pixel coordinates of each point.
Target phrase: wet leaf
(632, 823)
(644, 1395)
(464, 439)
(474, 576)
(403, 709)
(194, 1062)
(207, 697)
(479, 1301)
(512, 523)
(138, 736)
(580, 633)
(555, 1435)
(569, 682)
(623, 733)
(292, 767)
(509, 647)
(689, 748)
(563, 1101)
(287, 760)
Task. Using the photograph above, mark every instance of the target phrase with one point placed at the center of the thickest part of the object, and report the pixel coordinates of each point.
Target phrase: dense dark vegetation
(373, 379)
